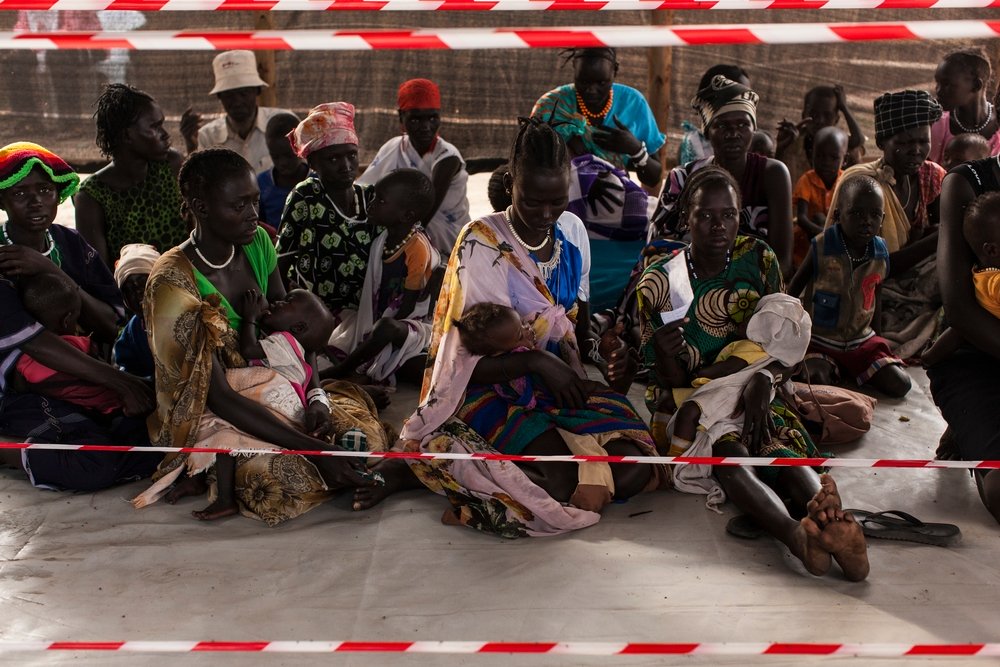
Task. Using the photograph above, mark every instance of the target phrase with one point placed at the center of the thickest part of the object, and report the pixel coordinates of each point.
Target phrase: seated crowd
(263, 294)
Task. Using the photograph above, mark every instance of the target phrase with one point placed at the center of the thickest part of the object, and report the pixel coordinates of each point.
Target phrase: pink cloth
(326, 125)
(941, 135)
(77, 392)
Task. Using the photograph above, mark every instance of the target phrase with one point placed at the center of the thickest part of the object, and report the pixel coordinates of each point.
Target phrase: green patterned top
(722, 304)
(329, 249)
(149, 212)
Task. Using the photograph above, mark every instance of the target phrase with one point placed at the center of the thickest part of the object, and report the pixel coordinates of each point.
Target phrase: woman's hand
(568, 389)
(190, 124)
(18, 260)
(668, 340)
(136, 394)
(755, 404)
(317, 421)
(622, 363)
(788, 132)
(617, 139)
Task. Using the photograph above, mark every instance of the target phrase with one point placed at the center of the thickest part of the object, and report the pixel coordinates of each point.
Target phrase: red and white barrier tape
(856, 650)
(504, 38)
(483, 5)
(568, 458)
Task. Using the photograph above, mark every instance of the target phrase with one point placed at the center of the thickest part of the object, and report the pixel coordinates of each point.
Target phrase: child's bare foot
(217, 510)
(845, 541)
(397, 476)
(807, 548)
(590, 497)
(187, 486)
(826, 505)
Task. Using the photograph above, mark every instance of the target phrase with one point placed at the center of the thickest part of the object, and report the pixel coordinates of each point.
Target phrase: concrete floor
(89, 567)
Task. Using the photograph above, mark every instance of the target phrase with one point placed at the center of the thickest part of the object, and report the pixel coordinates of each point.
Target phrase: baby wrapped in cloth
(782, 328)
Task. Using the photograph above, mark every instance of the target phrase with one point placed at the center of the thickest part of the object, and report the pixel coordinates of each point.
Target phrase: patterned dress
(330, 249)
(149, 212)
(722, 306)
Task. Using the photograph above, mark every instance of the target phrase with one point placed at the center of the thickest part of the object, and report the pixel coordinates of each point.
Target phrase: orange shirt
(810, 189)
(987, 284)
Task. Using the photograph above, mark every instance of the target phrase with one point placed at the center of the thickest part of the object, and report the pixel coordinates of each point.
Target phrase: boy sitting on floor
(821, 108)
(131, 351)
(54, 302)
(289, 170)
(814, 190)
(392, 330)
(841, 276)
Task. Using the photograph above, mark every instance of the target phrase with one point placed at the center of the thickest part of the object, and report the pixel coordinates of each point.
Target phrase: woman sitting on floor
(134, 199)
(911, 184)
(729, 117)
(33, 182)
(726, 275)
(609, 128)
(190, 314)
(520, 258)
(964, 385)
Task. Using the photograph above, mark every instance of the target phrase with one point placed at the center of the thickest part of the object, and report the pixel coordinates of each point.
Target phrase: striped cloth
(509, 417)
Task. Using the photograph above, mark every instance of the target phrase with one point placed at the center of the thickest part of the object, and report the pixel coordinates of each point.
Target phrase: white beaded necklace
(389, 252)
(357, 206)
(517, 237)
(546, 268)
(194, 244)
(48, 239)
(974, 130)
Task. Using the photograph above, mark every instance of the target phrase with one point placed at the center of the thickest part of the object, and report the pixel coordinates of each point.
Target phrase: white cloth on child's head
(782, 327)
(135, 259)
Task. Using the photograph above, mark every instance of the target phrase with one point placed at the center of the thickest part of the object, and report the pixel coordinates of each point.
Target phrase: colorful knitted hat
(18, 159)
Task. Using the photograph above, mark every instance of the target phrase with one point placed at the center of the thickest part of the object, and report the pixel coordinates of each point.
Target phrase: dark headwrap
(721, 96)
(905, 110)
(17, 161)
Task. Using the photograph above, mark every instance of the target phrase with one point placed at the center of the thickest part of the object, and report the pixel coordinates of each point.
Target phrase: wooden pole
(266, 66)
(661, 62)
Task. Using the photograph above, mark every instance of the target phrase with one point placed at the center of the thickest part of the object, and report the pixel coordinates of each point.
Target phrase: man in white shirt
(242, 127)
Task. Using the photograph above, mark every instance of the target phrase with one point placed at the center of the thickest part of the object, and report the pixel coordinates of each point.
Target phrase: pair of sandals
(888, 525)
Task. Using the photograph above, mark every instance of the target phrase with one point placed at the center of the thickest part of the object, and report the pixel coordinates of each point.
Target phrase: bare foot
(217, 510)
(826, 505)
(845, 541)
(188, 486)
(806, 547)
(397, 476)
(590, 497)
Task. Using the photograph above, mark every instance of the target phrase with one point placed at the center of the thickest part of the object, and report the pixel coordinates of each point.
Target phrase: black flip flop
(896, 525)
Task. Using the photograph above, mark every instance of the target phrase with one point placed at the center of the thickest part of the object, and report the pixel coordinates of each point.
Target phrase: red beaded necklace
(590, 116)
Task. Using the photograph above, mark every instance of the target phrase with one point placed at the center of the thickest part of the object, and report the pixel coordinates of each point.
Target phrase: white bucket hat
(235, 69)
